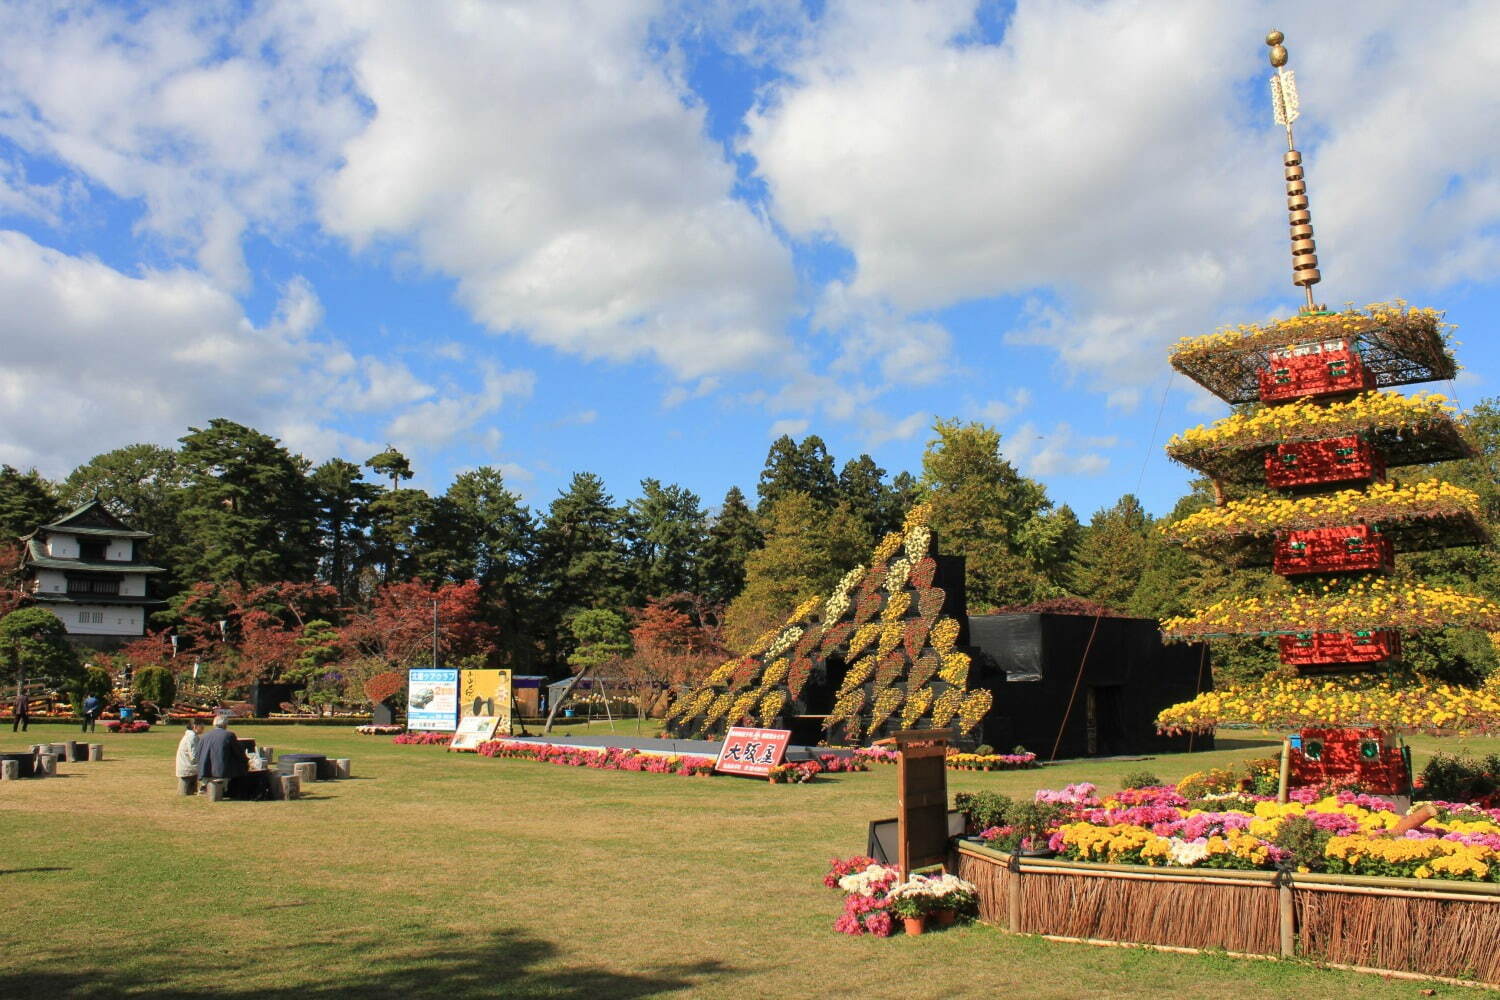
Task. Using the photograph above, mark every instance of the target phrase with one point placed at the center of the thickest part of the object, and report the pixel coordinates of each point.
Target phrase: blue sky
(643, 239)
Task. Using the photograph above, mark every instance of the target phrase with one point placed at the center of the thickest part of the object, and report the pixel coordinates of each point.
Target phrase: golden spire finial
(1284, 104)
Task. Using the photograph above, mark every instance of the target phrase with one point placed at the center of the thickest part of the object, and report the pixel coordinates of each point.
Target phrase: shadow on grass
(504, 963)
(24, 871)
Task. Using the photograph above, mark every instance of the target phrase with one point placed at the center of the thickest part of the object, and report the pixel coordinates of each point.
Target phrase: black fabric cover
(1128, 677)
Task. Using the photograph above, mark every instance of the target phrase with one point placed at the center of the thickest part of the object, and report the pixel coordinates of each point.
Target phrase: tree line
(281, 569)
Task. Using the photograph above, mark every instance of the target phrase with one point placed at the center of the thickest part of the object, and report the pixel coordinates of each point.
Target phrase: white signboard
(473, 730)
(432, 700)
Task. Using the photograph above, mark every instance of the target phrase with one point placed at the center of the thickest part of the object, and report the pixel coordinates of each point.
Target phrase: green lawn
(437, 875)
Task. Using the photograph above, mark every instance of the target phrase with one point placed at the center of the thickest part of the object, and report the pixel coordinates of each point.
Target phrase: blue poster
(432, 700)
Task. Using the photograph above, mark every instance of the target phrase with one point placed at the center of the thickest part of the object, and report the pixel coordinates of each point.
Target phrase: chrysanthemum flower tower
(1323, 432)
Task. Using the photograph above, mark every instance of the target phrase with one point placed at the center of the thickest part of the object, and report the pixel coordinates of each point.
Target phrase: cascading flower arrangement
(885, 621)
(1399, 511)
(1354, 701)
(1346, 605)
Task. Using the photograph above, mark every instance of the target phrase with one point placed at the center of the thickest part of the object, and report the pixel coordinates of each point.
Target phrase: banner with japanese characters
(748, 750)
(432, 700)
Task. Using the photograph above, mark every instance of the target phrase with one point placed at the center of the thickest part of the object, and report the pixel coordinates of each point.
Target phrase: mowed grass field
(450, 876)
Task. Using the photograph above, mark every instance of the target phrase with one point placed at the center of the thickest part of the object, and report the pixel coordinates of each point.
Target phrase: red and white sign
(748, 750)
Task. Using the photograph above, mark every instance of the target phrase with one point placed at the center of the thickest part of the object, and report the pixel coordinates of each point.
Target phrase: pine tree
(27, 501)
(247, 511)
(342, 500)
(582, 561)
(1113, 554)
(733, 535)
(143, 484)
(667, 526)
(797, 468)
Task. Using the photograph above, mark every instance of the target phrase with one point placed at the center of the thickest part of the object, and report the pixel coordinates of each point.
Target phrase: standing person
(219, 753)
(91, 707)
(187, 756)
(23, 713)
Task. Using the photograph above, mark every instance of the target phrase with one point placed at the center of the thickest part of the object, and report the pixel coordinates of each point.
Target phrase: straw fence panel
(1404, 926)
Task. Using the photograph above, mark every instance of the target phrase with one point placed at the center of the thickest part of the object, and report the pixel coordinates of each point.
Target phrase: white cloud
(96, 359)
(436, 422)
(1105, 154)
(879, 429)
(790, 428)
(215, 121)
(1000, 411)
(1059, 452)
(543, 160)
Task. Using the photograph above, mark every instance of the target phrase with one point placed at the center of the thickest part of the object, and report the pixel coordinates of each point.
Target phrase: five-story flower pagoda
(1313, 448)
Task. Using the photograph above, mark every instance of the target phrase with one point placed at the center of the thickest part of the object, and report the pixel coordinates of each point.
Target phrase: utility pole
(434, 633)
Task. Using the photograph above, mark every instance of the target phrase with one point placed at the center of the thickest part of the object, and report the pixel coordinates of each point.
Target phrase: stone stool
(10, 770)
(49, 765)
(96, 751)
(216, 789)
(58, 750)
(268, 754)
(291, 786)
(306, 772)
(341, 768)
(80, 751)
(187, 786)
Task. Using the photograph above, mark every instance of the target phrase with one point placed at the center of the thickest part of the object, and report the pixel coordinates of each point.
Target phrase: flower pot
(914, 925)
(947, 916)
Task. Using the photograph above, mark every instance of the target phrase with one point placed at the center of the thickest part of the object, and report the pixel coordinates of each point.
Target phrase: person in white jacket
(187, 755)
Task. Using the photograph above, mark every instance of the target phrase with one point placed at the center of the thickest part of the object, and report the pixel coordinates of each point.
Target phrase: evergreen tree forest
(328, 575)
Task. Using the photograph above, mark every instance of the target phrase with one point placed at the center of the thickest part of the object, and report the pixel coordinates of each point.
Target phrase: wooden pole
(1013, 910)
(1286, 917)
(1283, 784)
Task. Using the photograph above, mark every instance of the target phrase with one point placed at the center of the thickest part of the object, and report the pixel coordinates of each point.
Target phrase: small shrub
(1451, 778)
(984, 750)
(156, 685)
(1305, 841)
(1139, 779)
(1215, 780)
(983, 810)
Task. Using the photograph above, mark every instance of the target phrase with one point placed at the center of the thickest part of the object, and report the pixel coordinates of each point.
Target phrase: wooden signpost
(922, 797)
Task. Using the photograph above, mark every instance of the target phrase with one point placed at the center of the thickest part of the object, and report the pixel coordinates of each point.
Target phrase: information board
(485, 693)
(748, 750)
(432, 700)
(472, 731)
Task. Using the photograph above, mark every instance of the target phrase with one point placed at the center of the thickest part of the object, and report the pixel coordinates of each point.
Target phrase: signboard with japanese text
(432, 700)
(748, 750)
(472, 731)
(485, 693)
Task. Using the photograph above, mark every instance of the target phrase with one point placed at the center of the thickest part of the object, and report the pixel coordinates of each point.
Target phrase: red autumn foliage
(383, 686)
(261, 624)
(12, 581)
(398, 626)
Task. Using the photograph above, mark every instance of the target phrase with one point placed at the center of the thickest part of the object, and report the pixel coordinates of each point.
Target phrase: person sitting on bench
(220, 755)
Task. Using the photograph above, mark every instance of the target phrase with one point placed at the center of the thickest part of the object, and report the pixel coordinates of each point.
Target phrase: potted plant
(911, 901)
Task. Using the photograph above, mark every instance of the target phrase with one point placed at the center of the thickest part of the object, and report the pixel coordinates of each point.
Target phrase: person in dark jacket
(91, 708)
(219, 753)
(23, 713)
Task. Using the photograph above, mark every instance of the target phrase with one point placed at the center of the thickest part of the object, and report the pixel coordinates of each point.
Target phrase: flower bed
(424, 738)
(1341, 834)
(957, 761)
(609, 759)
(379, 730)
(991, 761)
(1336, 878)
(134, 726)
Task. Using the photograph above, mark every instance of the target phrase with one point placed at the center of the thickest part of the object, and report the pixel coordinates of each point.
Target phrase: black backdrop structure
(1036, 664)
